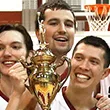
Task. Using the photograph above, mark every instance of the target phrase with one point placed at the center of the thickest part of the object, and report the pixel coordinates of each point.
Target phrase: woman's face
(12, 47)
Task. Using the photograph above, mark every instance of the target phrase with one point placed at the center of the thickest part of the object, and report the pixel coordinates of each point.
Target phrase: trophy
(42, 80)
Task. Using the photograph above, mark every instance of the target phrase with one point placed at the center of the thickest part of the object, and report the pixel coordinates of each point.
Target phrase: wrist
(15, 94)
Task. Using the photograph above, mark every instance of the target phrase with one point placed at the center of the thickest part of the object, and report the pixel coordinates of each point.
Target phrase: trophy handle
(68, 72)
(61, 83)
(29, 66)
(23, 63)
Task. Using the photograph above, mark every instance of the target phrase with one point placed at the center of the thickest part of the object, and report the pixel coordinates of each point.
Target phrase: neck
(5, 85)
(58, 59)
(81, 100)
(61, 68)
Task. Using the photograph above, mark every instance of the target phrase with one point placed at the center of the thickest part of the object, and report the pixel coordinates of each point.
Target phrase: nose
(84, 65)
(7, 52)
(62, 28)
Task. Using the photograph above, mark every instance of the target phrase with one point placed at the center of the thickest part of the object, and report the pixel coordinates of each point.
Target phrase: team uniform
(3, 101)
(105, 86)
(62, 103)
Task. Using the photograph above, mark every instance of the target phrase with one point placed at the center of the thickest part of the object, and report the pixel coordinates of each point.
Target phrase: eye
(78, 58)
(1, 47)
(94, 62)
(53, 23)
(69, 24)
(16, 47)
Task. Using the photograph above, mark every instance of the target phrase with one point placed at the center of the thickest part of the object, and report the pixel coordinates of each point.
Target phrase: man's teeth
(82, 76)
(61, 39)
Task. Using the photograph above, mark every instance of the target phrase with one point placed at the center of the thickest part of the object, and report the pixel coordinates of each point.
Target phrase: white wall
(82, 34)
(10, 5)
(35, 40)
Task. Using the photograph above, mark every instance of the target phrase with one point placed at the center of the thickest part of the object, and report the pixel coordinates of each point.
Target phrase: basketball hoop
(98, 16)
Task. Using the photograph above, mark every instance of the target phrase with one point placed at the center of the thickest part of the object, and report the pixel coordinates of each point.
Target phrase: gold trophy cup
(43, 81)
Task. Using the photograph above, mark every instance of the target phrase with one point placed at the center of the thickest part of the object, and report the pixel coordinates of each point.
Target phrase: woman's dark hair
(22, 30)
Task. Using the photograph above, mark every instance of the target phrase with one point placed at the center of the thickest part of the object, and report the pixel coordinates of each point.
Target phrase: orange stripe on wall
(11, 17)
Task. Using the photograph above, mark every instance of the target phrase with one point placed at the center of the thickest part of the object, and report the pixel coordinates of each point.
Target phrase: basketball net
(98, 17)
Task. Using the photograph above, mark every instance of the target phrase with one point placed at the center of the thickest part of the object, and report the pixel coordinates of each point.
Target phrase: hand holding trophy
(43, 81)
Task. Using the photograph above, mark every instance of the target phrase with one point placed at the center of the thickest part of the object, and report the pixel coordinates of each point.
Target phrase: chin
(4, 72)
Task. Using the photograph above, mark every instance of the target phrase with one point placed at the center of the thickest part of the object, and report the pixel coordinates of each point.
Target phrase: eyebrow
(17, 42)
(92, 57)
(53, 19)
(56, 19)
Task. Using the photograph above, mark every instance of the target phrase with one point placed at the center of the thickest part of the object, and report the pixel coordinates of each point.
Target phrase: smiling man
(60, 25)
(90, 61)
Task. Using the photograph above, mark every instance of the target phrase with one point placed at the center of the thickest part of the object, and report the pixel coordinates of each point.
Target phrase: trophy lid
(43, 55)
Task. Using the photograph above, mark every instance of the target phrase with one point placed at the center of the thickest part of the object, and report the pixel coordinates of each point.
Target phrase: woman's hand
(18, 75)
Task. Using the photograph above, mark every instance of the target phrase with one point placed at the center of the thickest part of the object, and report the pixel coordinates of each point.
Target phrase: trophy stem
(43, 80)
(47, 108)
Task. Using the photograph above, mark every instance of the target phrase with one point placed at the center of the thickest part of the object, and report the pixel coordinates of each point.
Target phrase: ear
(105, 73)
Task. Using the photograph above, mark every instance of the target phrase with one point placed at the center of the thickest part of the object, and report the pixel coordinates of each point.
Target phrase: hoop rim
(99, 6)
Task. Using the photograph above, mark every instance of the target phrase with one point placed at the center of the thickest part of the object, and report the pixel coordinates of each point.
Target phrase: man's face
(87, 66)
(60, 30)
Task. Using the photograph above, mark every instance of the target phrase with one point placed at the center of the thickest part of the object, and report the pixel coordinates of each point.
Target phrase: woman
(15, 43)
